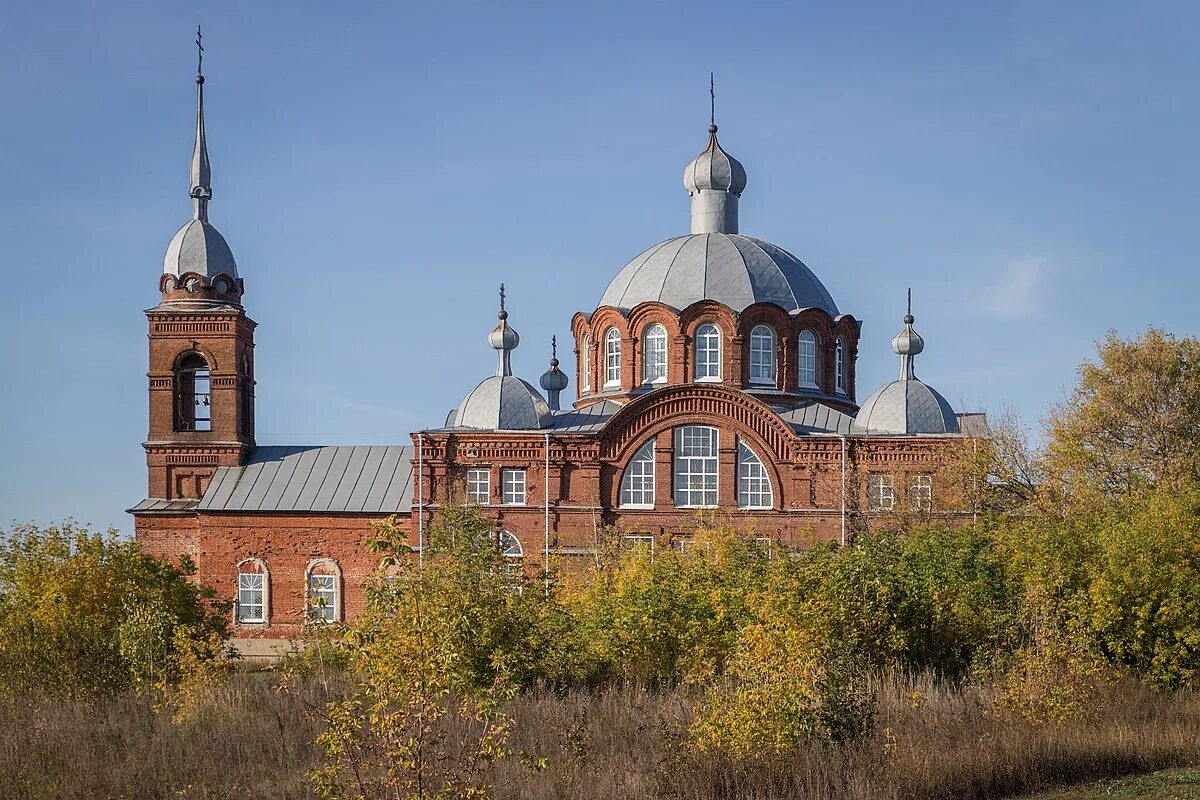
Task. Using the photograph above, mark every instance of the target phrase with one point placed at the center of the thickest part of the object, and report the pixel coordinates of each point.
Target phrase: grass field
(1172, 785)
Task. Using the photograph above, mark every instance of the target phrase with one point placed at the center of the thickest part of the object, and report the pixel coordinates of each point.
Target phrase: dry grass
(254, 742)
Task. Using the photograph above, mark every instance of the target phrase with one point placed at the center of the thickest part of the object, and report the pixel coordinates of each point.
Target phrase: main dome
(734, 270)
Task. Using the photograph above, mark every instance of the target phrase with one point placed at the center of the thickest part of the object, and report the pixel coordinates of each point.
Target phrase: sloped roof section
(368, 479)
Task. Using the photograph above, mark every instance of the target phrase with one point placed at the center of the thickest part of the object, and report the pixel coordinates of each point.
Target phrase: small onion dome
(714, 169)
(504, 337)
(501, 403)
(199, 248)
(906, 407)
(908, 342)
(554, 379)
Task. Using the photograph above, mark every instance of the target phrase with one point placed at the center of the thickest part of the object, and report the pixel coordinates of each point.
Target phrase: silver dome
(504, 403)
(729, 268)
(200, 248)
(714, 169)
(906, 406)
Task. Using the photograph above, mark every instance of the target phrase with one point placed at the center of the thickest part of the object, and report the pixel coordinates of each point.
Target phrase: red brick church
(716, 372)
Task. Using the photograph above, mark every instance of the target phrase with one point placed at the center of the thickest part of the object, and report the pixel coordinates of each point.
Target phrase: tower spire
(503, 340)
(200, 189)
(712, 102)
(908, 344)
(554, 380)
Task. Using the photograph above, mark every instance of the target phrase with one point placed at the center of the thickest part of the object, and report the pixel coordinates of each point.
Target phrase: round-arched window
(654, 354)
(708, 353)
(762, 355)
(612, 358)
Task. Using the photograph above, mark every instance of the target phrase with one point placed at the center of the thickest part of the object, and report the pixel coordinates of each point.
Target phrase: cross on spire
(712, 99)
(502, 297)
(199, 52)
(554, 346)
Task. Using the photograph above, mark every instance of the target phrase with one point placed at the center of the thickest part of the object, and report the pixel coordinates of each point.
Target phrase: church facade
(716, 374)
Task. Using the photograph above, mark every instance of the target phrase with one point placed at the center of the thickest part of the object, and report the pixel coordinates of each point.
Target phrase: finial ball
(909, 319)
(502, 315)
(712, 128)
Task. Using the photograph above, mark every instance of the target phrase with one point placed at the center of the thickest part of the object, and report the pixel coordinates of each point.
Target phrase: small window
(696, 467)
(807, 359)
(479, 486)
(839, 355)
(762, 355)
(513, 554)
(251, 605)
(681, 544)
(513, 485)
(585, 363)
(634, 541)
(708, 353)
(920, 492)
(762, 546)
(322, 597)
(612, 358)
(193, 394)
(754, 485)
(654, 354)
(637, 484)
(880, 494)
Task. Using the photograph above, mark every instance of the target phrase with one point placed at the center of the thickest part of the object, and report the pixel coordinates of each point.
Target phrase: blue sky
(1028, 168)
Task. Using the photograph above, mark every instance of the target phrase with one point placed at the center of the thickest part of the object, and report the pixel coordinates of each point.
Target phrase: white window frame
(762, 544)
(632, 540)
(763, 359)
(752, 477)
(808, 338)
(585, 363)
(687, 468)
(637, 481)
(244, 585)
(920, 492)
(328, 611)
(512, 486)
(708, 358)
(839, 357)
(612, 358)
(681, 544)
(474, 495)
(881, 491)
(658, 374)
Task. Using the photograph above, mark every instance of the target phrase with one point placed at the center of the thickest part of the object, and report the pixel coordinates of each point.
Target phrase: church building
(715, 373)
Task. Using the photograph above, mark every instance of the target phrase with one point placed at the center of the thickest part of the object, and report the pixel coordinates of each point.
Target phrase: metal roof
(731, 269)
(501, 403)
(813, 417)
(583, 420)
(200, 248)
(906, 406)
(370, 479)
(163, 506)
(714, 169)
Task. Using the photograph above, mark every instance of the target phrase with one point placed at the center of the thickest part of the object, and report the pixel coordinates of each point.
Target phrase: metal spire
(554, 349)
(712, 100)
(503, 314)
(200, 189)
(908, 344)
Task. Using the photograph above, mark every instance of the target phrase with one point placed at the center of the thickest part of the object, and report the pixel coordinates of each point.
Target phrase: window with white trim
(251, 602)
(754, 485)
(761, 545)
(806, 359)
(881, 495)
(322, 597)
(512, 484)
(637, 484)
(585, 363)
(839, 355)
(479, 486)
(654, 354)
(681, 544)
(920, 492)
(612, 358)
(708, 353)
(632, 541)
(514, 555)
(696, 467)
(762, 355)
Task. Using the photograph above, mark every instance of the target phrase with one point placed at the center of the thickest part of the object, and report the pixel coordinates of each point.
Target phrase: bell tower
(201, 376)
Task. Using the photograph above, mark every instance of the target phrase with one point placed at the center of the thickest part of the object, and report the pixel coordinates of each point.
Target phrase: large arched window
(839, 356)
(612, 358)
(696, 467)
(762, 355)
(754, 485)
(708, 353)
(510, 548)
(654, 354)
(253, 605)
(585, 363)
(324, 601)
(637, 484)
(193, 394)
(806, 359)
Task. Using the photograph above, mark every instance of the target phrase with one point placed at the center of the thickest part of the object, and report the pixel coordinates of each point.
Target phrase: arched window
(696, 467)
(637, 484)
(806, 359)
(193, 394)
(654, 354)
(708, 353)
(612, 358)
(585, 363)
(510, 546)
(839, 355)
(324, 599)
(762, 355)
(253, 604)
(754, 485)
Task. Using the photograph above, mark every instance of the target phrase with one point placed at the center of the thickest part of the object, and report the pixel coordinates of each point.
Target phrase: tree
(85, 614)
(1134, 419)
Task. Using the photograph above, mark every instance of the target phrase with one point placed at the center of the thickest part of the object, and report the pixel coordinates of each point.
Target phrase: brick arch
(209, 357)
(777, 320)
(700, 403)
(645, 314)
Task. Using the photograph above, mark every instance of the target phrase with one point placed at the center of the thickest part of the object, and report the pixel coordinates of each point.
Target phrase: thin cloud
(1017, 292)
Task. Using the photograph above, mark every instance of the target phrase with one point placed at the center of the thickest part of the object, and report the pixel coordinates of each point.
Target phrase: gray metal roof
(200, 248)
(731, 269)
(812, 417)
(501, 403)
(714, 169)
(159, 506)
(584, 420)
(906, 406)
(370, 479)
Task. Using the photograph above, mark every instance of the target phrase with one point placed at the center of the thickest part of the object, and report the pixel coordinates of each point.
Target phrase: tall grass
(250, 740)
